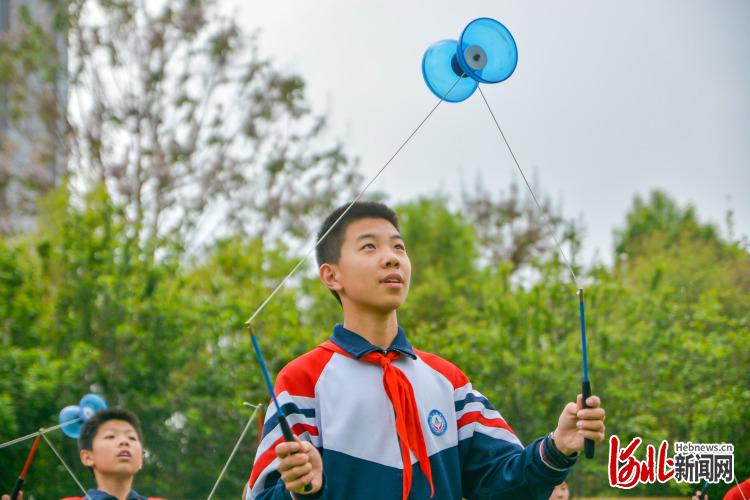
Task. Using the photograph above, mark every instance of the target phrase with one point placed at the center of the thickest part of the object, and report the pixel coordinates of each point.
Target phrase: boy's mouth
(393, 279)
(124, 453)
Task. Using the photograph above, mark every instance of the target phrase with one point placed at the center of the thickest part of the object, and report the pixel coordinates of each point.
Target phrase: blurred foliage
(87, 306)
(171, 106)
(88, 309)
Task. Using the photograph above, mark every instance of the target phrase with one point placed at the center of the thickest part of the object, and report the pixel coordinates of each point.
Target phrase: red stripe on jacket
(298, 378)
(301, 375)
(445, 368)
(476, 416)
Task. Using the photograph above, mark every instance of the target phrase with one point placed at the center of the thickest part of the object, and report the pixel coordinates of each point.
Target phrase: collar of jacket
(101, 495)
(357, 346)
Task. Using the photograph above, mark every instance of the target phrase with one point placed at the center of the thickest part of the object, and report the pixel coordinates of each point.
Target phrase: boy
(378, 419)
(560, 492)
(110, 446)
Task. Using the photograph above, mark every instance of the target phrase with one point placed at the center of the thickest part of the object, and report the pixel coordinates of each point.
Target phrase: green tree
(188, 155)
(191, 129)
(175, 111)
(32, 109)
(671, 318)
(512, 228)
(660, 220)
(86, 306)
(163, 337)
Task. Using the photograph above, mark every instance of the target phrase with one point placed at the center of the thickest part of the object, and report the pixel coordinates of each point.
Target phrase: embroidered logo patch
(437, 422)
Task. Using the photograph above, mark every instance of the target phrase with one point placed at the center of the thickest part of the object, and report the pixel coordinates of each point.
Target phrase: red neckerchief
(408, 427)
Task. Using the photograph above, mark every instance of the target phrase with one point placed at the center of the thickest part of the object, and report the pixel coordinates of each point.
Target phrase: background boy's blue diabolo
(485, 53)
(442, 74)
(498, 46)
(77, 415)
(71, 429)
(91, 404)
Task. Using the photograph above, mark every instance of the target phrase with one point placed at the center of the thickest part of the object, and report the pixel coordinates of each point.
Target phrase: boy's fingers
(285, 449)
(289, 462)
(591, 414)
(293, 474)
(590, 425)
(597, 437)
(298, 477)
(299, 484)
(593, 401)
(570, 408)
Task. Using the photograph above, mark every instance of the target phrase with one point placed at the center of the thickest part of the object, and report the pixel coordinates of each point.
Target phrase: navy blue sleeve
(494, 468)
(273, 489)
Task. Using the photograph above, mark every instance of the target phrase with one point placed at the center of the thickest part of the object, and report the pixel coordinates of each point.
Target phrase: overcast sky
(609, 99)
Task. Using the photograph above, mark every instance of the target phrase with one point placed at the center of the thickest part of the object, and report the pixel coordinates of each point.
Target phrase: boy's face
(373, 271)
(560, 492)
(116, 450)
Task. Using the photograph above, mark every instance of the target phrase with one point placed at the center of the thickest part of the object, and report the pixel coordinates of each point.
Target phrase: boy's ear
(87, 458)
(329, 275)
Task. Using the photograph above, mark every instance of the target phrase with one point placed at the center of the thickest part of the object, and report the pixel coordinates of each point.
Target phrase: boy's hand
(576, 423)
(300, 465)
(20, 496)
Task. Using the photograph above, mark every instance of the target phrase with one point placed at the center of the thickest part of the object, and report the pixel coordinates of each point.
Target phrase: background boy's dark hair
(329, 250)
(90, 428)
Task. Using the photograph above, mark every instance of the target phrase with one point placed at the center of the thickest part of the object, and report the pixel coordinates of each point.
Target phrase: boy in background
(110, 445)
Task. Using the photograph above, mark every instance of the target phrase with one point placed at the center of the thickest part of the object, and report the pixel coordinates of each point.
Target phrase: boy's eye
(400, 246)
(366, 245)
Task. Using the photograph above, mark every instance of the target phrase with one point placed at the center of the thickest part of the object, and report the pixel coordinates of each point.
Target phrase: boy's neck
(115, 486)
(377, 328)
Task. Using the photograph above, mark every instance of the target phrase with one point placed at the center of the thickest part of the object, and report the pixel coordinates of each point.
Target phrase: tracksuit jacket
(93, 494)
(337, 402)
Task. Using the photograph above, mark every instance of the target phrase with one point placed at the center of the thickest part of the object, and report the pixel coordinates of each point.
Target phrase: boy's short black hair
(329, 250)
(91, 427)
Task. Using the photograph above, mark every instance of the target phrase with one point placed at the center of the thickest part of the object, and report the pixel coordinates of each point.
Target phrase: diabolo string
(234, 450)
(59, 457)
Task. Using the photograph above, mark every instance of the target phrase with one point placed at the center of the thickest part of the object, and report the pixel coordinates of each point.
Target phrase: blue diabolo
(73, 417)
(484, 53)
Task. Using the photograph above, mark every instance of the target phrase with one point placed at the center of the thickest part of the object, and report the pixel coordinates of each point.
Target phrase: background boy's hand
(20, 496)
(300, 464)
(576, 423)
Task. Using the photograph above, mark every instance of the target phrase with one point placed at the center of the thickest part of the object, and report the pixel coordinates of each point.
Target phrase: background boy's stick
(702, 495)
(22, 477)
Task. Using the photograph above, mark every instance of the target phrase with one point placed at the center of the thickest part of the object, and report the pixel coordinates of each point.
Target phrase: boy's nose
(392, 261)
